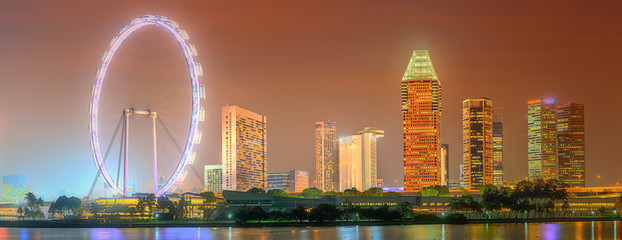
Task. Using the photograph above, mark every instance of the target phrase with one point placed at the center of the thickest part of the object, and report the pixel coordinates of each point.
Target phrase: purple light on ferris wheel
(195, 70)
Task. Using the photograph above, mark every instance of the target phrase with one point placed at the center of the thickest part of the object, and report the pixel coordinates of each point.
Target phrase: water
(576, 230)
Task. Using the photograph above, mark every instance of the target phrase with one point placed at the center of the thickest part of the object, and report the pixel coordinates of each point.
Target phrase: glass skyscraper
(421, 119)
(358, 160)
(542, 139)
(571, 144)
(326, 156)
(497, 146)
(477, 144)
(244, 149)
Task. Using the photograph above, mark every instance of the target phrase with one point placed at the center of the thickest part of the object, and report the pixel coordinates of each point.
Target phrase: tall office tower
(497, 146)
(358, 160)
(326, 156)
(542, 139)
(291, 181)
(571, 144)
(477, 143)
(445, 164)
(213, 178)
(421, 119)
(244, 151)
(461, 177)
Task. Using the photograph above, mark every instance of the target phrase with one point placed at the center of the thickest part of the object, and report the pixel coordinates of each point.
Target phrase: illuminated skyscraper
(477, 143)
(358, 160)
(213, 178)
(244, 149)
(445, 164)
(421, 119)
(326, 156)
(571, 144)
(497, 146)
(542, 138)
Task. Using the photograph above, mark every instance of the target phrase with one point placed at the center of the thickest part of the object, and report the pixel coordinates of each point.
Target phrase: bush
(426, 218)
(456, 218)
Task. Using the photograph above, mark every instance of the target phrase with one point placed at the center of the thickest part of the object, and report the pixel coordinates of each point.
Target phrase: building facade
(14, 188)
(292, 181)
(542, 139)
(421, 119)
(445, 164)
(497, 146)
(358, 160)
(477, 143)
(571, 144)
(326, 156)
(212, 178)
(244, 151)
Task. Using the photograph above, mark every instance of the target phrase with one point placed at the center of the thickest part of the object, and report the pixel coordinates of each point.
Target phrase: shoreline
(88, 224)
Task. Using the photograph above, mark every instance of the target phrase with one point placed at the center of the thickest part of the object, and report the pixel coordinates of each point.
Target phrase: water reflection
(576, 230)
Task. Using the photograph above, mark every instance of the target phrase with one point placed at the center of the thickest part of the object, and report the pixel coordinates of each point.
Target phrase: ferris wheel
(197, 115)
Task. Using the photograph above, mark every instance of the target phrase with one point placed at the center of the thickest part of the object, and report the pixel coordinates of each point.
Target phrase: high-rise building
(497, 146)
(244, 152)
(445, 164)
(542, 139)
(279, 181)
(14, 188)
(326, 156)
(421, 119)
(571, 144)
(461, 177)
(213, 178)
(291, 181)
(477, 142)
(358, 160)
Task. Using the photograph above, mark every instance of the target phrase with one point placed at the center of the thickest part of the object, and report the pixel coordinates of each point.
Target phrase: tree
(20, 211)
(429, 192)
(406, 210)
(348, 209)
(145, 203)
(392, 194)
(311, 193)
(277, 192)
(331, 194)
(208, 197)
(325, 212)
(95, 209)
(374, 192)
(352, 192)
(256, 190)
(34, 205)
(299, 213)
(165, 203)
(258, 214)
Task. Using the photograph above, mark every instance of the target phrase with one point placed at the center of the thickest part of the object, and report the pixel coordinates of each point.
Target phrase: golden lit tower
(542, 138)
(477, 143)
(497, 146)
(571, 144)
(421, 119)
(244, 149)
(326, 156)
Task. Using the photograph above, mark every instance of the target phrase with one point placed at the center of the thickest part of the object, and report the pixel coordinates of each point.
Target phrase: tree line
(539, 196)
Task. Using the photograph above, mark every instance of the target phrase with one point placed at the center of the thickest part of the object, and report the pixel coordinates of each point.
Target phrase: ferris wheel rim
(195, 71)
